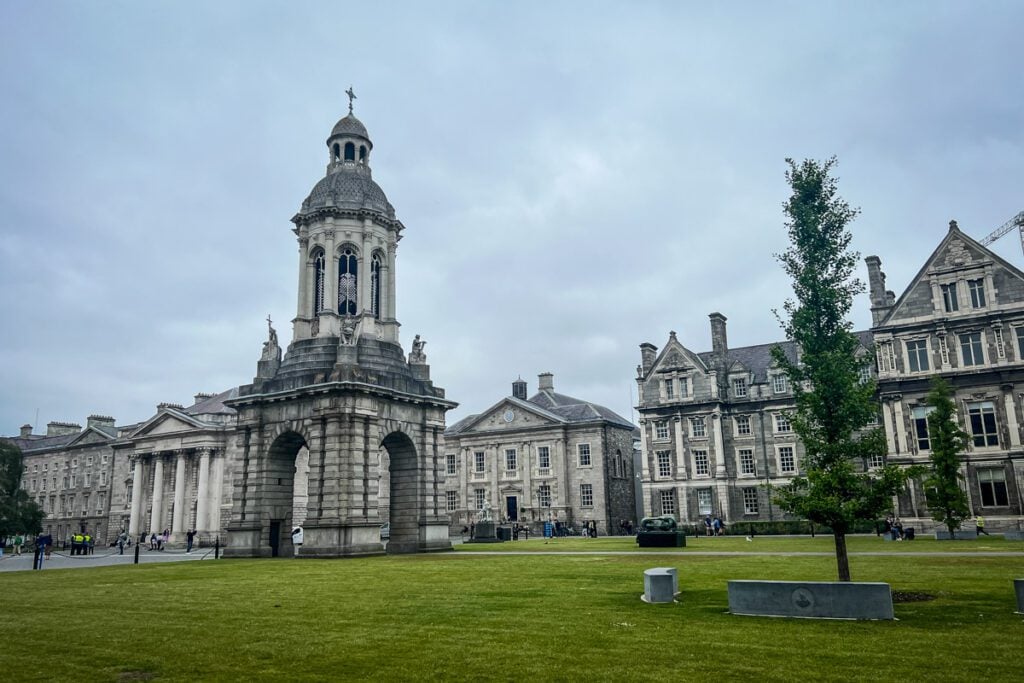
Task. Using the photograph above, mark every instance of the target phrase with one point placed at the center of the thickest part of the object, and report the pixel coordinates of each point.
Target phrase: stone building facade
(549, 456)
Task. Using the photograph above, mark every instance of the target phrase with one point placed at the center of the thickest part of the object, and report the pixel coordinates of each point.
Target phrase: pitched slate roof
(214, 405)
(558, 407)
(757, 359)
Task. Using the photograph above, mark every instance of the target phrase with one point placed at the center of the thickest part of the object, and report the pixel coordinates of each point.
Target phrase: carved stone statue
(417, 355)
(271, 350)
(348, 331)
(485, 511)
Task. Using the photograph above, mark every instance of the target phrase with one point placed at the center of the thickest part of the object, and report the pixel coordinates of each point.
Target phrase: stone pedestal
(660, 584)
(811, 599)
(485, 532)
(661, 539)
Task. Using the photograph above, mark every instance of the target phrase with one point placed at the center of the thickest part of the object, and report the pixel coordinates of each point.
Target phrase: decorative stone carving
(271, 349)
(417, 355)
(349, 330)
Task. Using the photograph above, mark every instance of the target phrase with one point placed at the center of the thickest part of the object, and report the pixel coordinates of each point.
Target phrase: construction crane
(1015, 222)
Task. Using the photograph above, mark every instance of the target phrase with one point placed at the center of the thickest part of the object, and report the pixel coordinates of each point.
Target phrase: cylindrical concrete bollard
(1018, 586)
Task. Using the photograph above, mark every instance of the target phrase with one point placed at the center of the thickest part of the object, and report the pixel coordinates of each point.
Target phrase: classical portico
(344, 390)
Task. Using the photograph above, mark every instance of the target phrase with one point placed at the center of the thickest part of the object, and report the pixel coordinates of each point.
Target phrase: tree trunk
(952, 531)
(842, 559)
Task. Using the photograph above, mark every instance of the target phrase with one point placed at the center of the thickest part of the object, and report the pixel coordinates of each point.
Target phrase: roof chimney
(62, 428)
(719, 340)
(519, 389)
(881, 300)
(546, 381)
(202, 396)
(26, 430)
(100, 421)
(648, 352)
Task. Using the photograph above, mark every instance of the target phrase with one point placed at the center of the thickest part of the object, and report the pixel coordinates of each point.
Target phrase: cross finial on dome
(351, 97)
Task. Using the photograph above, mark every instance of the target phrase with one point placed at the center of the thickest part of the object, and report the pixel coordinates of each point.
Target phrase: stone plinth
(1013, 535)
(661, 539)
(961, 535)
(811, 599)
(660, 584)
(1018, 587)
(484, 532)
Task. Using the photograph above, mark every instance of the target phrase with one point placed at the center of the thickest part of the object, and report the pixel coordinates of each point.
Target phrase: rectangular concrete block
(961, 534)
(1013, 535)
(660, 584)
(1018, 587)
(811, 599)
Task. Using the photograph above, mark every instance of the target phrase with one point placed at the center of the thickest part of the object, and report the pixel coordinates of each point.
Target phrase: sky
(575, 178)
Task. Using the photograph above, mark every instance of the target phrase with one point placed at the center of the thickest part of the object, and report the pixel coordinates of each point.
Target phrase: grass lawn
(472, 617)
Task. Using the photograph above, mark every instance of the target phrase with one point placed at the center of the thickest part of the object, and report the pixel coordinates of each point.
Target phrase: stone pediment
(511, 414)
(168, 423)
(677, 358)
(91, 436)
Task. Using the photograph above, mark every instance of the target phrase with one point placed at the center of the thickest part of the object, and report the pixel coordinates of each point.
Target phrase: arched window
(350, 151)
(362, 153)
(337, 152)
(375, 285)
(318, 281)
(348, 296)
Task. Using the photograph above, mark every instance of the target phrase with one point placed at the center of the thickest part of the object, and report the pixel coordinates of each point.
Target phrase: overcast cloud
(575, 178)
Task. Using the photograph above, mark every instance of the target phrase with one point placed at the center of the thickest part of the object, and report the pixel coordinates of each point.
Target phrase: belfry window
(350, 151)
(318, 281)
(362, 154)
(347, 282)
(375, 285)
(336, 156)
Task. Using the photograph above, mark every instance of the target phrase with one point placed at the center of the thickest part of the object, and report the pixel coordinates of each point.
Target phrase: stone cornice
(305, 218)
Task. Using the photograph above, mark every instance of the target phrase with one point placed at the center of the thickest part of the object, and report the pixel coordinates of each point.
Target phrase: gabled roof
(214, 405)
(558, 408)
(467, 423)
(106, 434)
(757, 359)
(38, 442)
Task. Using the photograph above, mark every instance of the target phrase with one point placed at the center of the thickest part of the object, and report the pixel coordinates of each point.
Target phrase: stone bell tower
(344, 395)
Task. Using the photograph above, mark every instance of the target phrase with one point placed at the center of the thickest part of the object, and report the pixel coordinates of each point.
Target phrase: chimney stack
(882, 301)
(100, 421)
(519, 389)
(719, 340)
(62, 428)
(26, 430)
(648, 352)
(546, 381)
(202, 396)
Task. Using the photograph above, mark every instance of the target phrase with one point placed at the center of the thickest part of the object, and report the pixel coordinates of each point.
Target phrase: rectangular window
(103, 459)
(782, 425)
(45, 467)
(977, 290)
(949, 302)
(700, 463)
(982, 416)
(739, 388)
(88, 479)
(921, 427)
(917, 356)
(66, 482)
(684, 387)
(864, 374)
(43, 486)
(876, 461)
(449, 461)
(670, 390)
(743, 425)
(587, 495)
(35, 469)
(452, 500)
(33, 484)
(544, 496)
(99, 504)
(664, 463)
(583, 454)
(480, 461)
(74, 462)
(787, 460)
(510, 460)
(660, 431)
(479, 496)
(970, 348)
(780, 384)
(747, 461)
(750, 501)
(993, 488)
(1020, 342)
(85, 505)
(54, 485)
(88, 461)
(544, 457)
(698, 428)
(668, 502)
(704, 501)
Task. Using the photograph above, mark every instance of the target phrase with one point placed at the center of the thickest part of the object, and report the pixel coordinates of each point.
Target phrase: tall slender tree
(834, 408)
(943, 488)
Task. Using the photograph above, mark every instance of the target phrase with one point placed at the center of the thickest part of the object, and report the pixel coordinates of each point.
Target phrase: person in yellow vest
(76, 543)
(979, 522)
(86, 544)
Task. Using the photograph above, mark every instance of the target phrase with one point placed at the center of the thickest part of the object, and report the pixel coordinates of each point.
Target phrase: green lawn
(526, 618)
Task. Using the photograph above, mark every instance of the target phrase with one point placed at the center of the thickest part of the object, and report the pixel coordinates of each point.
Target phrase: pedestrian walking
(19, 540)
(979, 523)
(190, 536)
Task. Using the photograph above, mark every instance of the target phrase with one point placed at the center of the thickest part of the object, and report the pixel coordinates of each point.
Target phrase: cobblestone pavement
(60, 559)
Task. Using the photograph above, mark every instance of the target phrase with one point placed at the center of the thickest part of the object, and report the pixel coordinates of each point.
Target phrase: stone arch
(403, 495)
(278, 488)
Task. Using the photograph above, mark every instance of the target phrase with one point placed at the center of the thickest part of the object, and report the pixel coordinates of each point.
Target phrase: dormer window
(977, 290)
(949, 301)
(780, 384)
(739, 387)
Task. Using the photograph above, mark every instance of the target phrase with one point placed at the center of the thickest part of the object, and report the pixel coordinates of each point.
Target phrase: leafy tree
(833, 407)
(947, 500)
(18, 513)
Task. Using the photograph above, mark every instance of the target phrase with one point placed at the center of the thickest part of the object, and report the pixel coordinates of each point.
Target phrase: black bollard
(35, 559)
(136, 553)
(216, 549)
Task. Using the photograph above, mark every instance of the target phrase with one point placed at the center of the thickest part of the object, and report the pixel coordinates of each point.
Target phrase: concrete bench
(660, 584)
(811, 599)
(961, 535)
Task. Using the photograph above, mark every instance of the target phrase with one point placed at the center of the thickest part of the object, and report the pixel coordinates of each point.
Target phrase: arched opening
(336, 156)
(375, 285)
(348, 287)
(350, 151)
(362, 154)
(319, 271)
(285, 479)
(399, 495)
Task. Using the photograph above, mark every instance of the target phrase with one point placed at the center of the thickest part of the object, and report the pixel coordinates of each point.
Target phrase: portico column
(135, 523)
(158, 495)
(720, 472)
(203, 494)
(390, 298)
(177, 526)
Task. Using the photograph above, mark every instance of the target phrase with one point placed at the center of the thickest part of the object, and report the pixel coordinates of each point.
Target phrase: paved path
(734, 553)
(64, 560)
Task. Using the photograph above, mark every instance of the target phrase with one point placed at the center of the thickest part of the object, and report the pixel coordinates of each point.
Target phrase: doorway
(275, 537)
(512, 508)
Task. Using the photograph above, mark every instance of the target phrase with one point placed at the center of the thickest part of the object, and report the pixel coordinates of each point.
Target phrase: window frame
(781, 424)
(979, 410)
(977, 347)
(663, 461)
(985, 476)
(670, 499)
(742, 424)
(920, 351)
(780, 384)
(451, 501)
(741, 469)
(511, 458)
(479, 462)
(583, 450)
(950, 298)
(976, 290)
(586, 495)
(543, 453)
(750, 500)
(698, 424)
(661, 430)
(451, 464)
(701, 456)
(739, 387)
(780, 452)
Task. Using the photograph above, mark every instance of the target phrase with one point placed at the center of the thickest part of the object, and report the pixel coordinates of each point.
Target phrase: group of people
(82, 543)
(714, 527)
(626, 527)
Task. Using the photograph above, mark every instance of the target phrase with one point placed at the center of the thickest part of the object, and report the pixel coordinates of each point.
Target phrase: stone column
(156, 517)
(135, 522)
(365, 262)
(304, 309)
(177, 523)
(677, 422)
(720, 471)
(1011, 416)
(203, 493)
(899, 432)
(390, 293)
(331, 274)
(645, 452)
(217, 491)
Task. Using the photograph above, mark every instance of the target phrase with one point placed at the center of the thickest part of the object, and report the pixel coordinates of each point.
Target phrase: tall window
(664, 463)
(993, 488)
(544, 495)
(661, 430)
(668, 502)
(318, 284)
(452, 500)
(977, 290)
(479, 496)
(917, 355)
(587, 495)
(747, 461)
(479, 461)
(700, 463)
(698, 428)
(743, 425)
(1020, 342)
(782, 425)
(510, 460)
(739, 388)
(787, 460)
(583, 454)
(983, 423)
(684, 387)
(704, 501)
(670, 389)
(450, 463)
(375, 285)
(543, 457)
(750, 501)
(348, 283)
(780, 384)
(921, 427)
(949, 301)
(970, 348)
